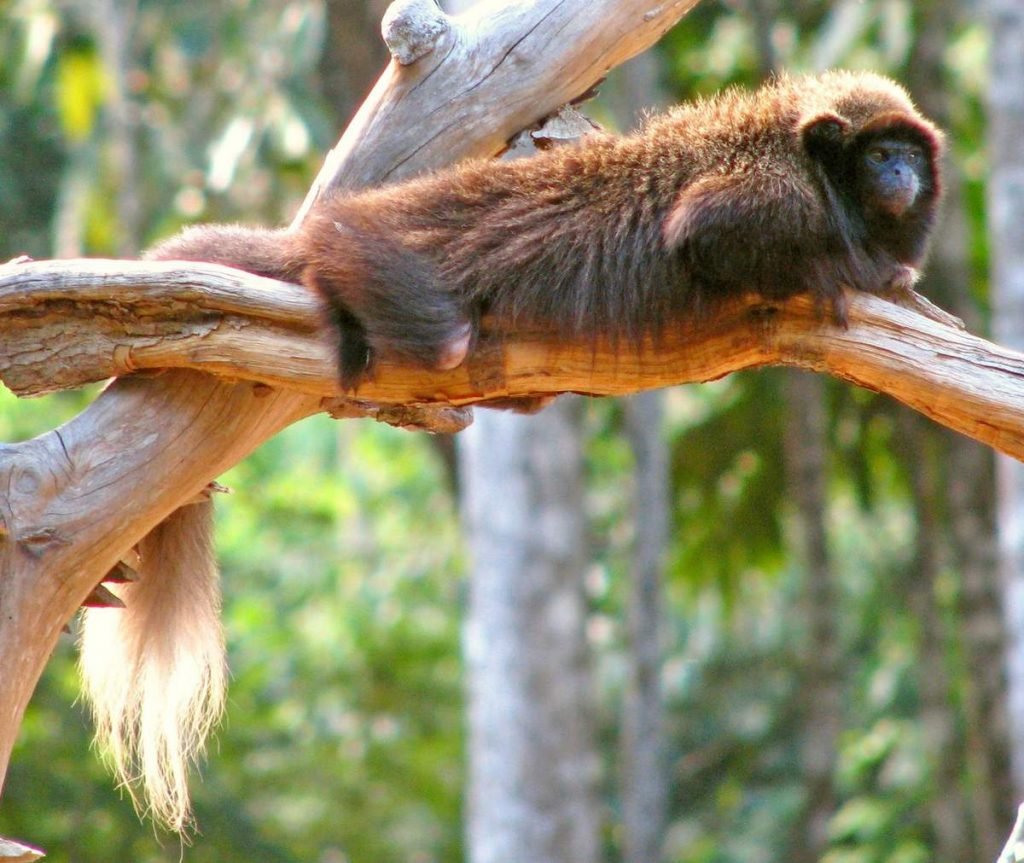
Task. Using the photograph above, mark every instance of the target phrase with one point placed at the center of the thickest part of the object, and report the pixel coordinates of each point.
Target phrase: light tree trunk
(820, 691)
(115, 23)
(1006, 226)
(947, 809)
(967, 477)
(532, 793)
(644, 780)
(532, 762)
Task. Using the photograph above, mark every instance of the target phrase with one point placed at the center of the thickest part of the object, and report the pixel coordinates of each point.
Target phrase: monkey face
(891, 175)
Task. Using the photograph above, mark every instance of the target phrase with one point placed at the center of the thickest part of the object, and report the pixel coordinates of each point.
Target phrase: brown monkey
(807, 185)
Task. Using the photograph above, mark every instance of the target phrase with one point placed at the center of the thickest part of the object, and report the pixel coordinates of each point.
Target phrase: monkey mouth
(897, 202)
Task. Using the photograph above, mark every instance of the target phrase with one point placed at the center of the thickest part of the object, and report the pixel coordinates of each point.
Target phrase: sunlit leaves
(80, 87)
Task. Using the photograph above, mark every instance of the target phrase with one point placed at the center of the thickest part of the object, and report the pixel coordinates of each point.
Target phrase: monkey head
(883, 165)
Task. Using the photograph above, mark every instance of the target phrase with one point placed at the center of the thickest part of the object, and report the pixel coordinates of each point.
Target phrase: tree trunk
(115, 27)
(532, 761)
(353, 54)
(632, 91)
(821, 692)
(644, 781)
(1006, 225)
(947, 809)
(968, 492)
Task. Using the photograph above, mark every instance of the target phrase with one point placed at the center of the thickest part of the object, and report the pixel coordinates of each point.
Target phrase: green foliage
(346, 675)
(728, 478)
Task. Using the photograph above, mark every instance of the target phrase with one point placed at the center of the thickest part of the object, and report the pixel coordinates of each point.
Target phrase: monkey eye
(877, 155)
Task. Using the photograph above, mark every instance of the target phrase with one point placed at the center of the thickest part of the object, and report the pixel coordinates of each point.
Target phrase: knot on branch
(412, 28)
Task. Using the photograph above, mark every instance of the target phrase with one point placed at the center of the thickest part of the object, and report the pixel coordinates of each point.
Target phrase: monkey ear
(824, 133)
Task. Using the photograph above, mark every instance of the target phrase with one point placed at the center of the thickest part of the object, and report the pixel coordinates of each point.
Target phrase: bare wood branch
(73, 501)
(67, 323)
(131, 317)
(481, 82)
(15, 852)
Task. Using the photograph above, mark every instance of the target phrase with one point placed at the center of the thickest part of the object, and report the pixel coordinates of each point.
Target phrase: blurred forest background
(757, 620)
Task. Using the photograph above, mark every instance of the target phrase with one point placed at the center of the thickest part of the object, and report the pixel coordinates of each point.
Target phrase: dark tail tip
(352, 347)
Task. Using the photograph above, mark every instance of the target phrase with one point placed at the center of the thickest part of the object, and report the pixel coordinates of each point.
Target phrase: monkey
(808, 185)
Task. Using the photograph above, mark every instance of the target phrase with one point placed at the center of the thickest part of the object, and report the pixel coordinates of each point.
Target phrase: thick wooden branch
(73, 501)
(67, 323)
(134, 316)
(480, 78)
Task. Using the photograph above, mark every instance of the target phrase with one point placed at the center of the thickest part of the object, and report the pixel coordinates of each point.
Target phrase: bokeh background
(815, 641)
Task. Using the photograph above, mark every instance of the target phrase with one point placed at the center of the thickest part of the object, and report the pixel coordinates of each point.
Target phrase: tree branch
(129, 317)
(75, 500)
(483, 77)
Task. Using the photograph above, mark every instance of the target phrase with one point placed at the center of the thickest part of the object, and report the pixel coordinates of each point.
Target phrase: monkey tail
(154, 672)
(256, 250)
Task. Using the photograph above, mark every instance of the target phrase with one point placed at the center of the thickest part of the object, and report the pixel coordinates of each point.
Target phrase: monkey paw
(903, 280)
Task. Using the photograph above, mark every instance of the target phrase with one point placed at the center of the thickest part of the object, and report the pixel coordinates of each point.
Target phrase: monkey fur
(806, 185)
(154, 672)
(810, 184)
